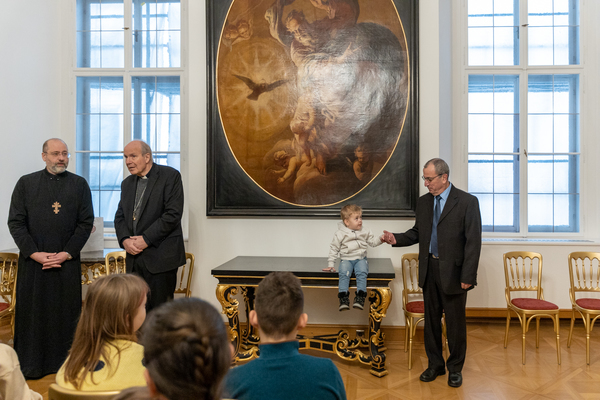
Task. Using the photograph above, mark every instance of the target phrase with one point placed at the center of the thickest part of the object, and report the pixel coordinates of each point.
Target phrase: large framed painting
(312, 105)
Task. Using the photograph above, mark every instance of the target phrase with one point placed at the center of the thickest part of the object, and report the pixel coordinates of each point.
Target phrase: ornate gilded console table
(246, 272)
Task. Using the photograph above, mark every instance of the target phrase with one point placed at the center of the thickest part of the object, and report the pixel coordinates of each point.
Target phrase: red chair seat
(590, 304)
(416, 307)
(3, 306)
(533, 304)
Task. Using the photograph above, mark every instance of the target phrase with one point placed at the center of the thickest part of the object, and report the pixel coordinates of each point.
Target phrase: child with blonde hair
(350, 245)
(104, 354)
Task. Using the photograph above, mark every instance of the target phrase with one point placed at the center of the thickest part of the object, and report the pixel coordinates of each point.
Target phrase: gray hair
(146, 148)
(440, 166)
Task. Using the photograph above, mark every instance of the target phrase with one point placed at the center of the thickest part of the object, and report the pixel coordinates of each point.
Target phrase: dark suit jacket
(159, 221)
(459, 239)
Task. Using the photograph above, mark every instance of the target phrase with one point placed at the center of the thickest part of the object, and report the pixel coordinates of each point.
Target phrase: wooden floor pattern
(490, 371)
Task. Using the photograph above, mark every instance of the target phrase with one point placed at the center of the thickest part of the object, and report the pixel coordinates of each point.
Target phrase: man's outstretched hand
(388, 237)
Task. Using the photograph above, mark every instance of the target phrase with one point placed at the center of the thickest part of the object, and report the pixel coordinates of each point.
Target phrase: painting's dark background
(232, 193)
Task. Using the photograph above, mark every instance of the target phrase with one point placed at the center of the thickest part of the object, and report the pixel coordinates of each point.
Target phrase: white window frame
(589, 83)
(71, 72)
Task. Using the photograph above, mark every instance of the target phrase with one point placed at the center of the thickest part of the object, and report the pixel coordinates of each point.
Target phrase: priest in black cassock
(50, 218)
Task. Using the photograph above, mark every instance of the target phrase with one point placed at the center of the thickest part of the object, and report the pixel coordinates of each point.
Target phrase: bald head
(47, 142)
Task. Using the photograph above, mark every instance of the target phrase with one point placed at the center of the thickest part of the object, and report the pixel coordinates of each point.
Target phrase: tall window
(128, 79)
(523, 78)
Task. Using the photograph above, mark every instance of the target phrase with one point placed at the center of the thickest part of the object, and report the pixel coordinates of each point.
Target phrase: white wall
(30, 92)
(30, 112)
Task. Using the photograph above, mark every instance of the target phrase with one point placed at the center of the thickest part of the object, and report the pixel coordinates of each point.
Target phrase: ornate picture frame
(312, 104)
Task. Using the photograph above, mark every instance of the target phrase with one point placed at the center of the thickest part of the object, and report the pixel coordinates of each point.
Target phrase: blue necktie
(437, 211)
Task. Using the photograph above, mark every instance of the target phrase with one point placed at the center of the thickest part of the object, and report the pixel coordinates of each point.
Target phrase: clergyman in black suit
(148, 222)
(448, 230)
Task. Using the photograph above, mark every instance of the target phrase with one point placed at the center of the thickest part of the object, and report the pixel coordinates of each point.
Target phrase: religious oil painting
(311, 106)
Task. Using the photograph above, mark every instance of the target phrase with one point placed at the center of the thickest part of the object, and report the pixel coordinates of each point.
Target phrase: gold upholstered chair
(584, 273)
(9, 263)
(114, 262)
(184, 276)
(56, 392)
(523, 273)
(412, 302)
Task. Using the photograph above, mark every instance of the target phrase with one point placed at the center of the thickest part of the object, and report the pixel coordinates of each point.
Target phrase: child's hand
(388, 237)
(329, 269)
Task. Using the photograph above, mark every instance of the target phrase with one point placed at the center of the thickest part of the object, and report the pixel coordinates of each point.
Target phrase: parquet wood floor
(490, 372)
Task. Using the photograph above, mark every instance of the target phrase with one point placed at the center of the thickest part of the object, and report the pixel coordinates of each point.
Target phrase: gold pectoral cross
(56, 207)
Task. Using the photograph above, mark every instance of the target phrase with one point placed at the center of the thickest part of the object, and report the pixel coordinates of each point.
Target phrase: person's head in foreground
(187, 351)
(114, 308)
(278, 311)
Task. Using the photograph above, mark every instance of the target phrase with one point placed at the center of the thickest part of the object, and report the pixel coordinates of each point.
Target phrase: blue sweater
(281, 372)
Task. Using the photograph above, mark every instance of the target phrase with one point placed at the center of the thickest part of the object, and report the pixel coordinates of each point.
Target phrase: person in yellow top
(105, 355)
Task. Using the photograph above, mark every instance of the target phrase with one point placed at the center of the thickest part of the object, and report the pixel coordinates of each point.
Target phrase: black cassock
(48, 213)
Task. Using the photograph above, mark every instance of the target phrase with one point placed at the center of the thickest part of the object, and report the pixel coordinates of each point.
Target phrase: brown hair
(109, 309)
(349, 209)
(279, 303)
(186, 349)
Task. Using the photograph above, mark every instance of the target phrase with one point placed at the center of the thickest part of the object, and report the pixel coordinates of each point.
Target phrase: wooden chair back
(184, 276)
(114, 262)
(523, 273)
(410, 278)
(9, 264)
(584, 274)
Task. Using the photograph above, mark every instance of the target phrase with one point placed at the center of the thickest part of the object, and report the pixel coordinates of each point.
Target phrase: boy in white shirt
(350, 245)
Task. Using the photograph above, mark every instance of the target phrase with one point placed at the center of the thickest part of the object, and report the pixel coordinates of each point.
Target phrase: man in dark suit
(148, 222)
(448, 230)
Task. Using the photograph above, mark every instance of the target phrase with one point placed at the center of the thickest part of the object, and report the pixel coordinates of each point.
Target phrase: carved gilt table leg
(250, 337)
(380, 299)
(230, 308)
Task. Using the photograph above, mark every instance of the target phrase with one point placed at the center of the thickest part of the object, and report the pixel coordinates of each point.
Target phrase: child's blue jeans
(361, 270)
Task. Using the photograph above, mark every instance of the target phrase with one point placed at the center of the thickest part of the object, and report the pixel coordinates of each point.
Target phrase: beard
(58, 169)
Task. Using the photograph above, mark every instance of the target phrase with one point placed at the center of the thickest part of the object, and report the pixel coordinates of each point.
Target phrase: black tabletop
(248, 270)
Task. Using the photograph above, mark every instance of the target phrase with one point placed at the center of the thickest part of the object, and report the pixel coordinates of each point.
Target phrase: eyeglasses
(430, 179)
(58, 153)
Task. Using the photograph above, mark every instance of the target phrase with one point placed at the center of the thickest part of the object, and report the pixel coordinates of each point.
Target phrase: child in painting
(291, 162)
(350, 245)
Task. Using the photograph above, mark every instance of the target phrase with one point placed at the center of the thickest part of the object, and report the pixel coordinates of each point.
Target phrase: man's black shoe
(430, 374)
(455, 379)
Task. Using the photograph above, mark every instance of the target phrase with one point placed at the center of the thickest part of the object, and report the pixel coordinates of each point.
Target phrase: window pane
(100, 34)
(539, 133)
(156, 111)
(493, 113)
(553, 32)
(566, 133)
(156, 34)
(100, 128)
(540, 94)
(553, 193)
(481, 46)
(481, 173)
(493, 34)
(540, 174)
(172, 160)
(481, 133)
(481, 12)
(506, 215)
(506, 133)
(504, 46)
